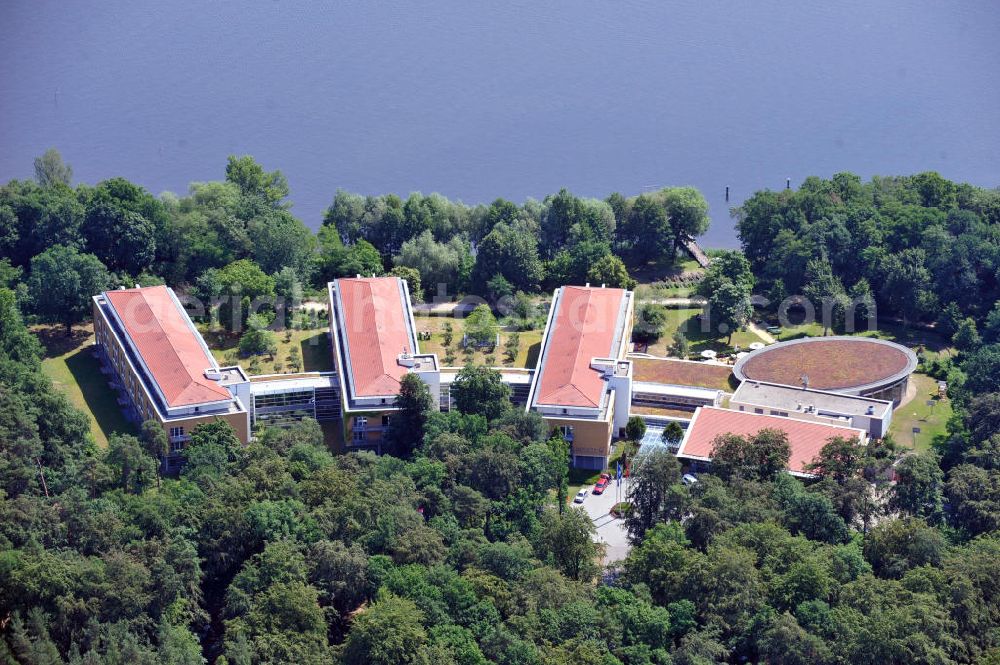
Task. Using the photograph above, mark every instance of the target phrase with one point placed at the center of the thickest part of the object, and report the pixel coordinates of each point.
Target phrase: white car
(580, 496)
(689, 479)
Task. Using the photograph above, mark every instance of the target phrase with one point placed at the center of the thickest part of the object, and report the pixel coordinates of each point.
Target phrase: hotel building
(805, 438)
(583, 384)
(374, 346)
(161, 367)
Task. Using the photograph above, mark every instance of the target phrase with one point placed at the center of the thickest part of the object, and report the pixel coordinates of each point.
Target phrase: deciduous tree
(62, 283)
(481, 391)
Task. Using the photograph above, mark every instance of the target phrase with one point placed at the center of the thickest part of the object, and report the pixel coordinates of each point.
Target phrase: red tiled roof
(804, 438)
(377, 331)
(583, 329)
(171, 350)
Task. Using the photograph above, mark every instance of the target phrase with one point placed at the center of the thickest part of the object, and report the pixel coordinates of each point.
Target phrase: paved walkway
(760, 332)
(443, 308)
(314, 306)
(673, 302)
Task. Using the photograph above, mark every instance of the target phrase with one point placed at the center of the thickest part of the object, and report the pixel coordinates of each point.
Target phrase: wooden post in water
(788, 183)
(727, 193)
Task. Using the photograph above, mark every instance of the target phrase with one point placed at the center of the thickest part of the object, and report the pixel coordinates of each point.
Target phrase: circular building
(849, 365)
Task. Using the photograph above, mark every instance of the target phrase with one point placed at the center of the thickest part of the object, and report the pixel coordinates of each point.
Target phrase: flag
(618, 472)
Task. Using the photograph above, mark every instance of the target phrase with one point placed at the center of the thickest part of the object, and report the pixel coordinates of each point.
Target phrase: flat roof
(509, 375)
(830, 363)
(278, 383)
(798, 400)
(639, 388)
(677, 372)
(588, 323)
(375, 328)
(174, 354)
(805, 438)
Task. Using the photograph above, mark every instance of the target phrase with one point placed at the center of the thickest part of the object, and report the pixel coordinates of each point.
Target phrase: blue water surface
(516, 99)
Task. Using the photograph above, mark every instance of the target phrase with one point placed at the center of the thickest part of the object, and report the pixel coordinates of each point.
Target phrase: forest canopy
(461, 546)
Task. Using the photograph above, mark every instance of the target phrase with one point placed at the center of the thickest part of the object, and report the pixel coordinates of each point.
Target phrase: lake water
(512, 99)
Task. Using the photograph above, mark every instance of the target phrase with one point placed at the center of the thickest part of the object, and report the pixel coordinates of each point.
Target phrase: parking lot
(610, 530)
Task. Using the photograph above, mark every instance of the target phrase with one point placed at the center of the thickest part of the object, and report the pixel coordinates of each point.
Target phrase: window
(567, 432)
(359, 435)
(176, 432)
(385, 421)
(760, 411)
(360, 422)
(176, 445)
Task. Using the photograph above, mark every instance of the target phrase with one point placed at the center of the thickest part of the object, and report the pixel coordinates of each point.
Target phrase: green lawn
(527, 355)
(686, 321)
(71, 367)
(916, 413)
(912, 337)
(665, 269)
(660, 290)
(314, 350)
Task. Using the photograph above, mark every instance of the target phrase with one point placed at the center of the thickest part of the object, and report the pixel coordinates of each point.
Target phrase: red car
(602, 484)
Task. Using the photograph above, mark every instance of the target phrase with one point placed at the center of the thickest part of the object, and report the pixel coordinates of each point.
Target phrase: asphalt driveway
(610, 530)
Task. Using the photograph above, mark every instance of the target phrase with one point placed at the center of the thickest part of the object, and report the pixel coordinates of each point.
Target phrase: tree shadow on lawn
(532, 358)
(57, 343)
(317, 353)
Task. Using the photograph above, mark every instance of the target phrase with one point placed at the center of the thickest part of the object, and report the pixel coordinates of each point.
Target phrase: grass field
(314, 350)
(916, 413)
(660, 290)
(893, 332)
(527, 355)
(686, 320)
(71, 367)
(660, 270)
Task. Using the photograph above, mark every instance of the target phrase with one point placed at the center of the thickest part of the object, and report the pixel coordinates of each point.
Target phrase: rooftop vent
(870, 410)
(213, 374)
